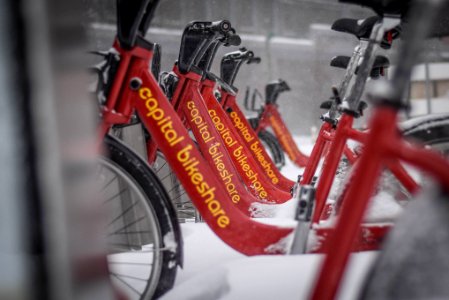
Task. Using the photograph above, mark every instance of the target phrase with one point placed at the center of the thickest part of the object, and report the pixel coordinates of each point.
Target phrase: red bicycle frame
(168, 131)
(270, 117)
(337, 141)
(237, 149)
(252, 141)
(382, 146)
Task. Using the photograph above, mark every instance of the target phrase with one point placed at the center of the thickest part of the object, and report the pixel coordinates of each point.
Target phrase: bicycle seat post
(351, 97)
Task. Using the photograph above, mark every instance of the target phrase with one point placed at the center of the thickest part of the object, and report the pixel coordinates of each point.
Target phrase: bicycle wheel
(185, 209)
(430, 130)
(144, 238)
(270, 142)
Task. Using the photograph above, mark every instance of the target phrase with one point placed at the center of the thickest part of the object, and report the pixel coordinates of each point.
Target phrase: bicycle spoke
(123, 213)
(130, 277)
(165, 177)
(104, 187)
(157, 172)
(127, 225)
(174, 199)
(115, 196)
(127, 284)
(139, 251)
(175, 187)
(133, 232)
(126, 245)
(129, 263)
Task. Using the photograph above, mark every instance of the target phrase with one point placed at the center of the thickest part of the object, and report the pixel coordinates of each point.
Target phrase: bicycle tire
(429, 130)
(154, 200)
(275, 151)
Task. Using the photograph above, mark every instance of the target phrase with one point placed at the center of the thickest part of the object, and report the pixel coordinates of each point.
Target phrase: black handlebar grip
(233, 40)
(283, 85)
(254, 60)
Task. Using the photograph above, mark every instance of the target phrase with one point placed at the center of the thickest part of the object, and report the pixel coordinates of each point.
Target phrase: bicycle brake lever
(254, 60)
(232, 39)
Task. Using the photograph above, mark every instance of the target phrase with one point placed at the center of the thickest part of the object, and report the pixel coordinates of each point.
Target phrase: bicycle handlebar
(230, 38)
(229, 89)
(254, 60)
(200, 41)
(231, 63)
(222, 26)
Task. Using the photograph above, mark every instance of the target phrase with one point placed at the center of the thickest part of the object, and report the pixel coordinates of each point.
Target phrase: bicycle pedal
(304, 210)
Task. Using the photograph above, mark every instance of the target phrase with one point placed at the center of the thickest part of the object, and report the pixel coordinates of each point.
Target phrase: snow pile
(207, 285)
(383, 208)
(282, 246)
(214, 271)
(284, 210)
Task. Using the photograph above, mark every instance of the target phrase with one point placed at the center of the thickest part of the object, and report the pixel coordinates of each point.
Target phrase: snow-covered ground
(212, 270)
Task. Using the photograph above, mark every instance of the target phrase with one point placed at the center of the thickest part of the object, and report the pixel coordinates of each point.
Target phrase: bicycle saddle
(133, 20)
(360, 28)
(383, 7)
(343, 61)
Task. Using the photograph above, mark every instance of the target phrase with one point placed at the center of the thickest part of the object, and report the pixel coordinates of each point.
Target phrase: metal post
(428, 87)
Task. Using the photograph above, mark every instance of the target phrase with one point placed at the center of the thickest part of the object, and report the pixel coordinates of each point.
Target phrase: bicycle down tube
(242, 158)
(194, 110)
(252, 142)
(270, 117)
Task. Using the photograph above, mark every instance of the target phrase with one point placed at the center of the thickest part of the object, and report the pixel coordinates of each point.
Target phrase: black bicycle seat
(360, 28)
(383, 7)
(342, 62)
(133, 20)
(380, 63)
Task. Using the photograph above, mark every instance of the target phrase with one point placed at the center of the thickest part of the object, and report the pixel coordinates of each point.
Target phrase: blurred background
(294, 40)
(51, 241)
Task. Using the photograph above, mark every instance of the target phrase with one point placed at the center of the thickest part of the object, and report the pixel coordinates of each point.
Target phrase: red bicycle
(270, 117)
(384, 145)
